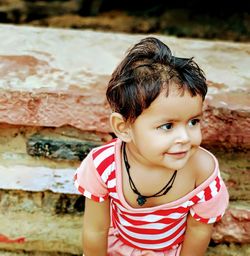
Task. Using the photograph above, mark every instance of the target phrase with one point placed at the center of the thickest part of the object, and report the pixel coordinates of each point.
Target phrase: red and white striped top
(157, 228)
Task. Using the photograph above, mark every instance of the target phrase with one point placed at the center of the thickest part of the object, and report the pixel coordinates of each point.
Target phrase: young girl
(153, 190)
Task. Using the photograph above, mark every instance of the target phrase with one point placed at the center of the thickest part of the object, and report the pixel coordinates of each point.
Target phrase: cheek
(149, 142)
(197, 137)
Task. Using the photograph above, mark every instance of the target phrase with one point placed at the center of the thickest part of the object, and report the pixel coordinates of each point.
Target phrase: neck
(137, 161)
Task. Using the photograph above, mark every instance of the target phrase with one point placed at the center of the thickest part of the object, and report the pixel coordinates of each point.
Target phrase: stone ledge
(46, 88)
(38, 63)
(55, 109)
(42, 201)
(227, 121)
(234, 226)
(33, 225)
(228, 250)
(59, 149)
(41, 232)
(30, 178)
(16, 141)
(41, 210)
(234, 166)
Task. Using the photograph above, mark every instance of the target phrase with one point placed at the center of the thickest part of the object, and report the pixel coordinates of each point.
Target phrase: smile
(178, 154)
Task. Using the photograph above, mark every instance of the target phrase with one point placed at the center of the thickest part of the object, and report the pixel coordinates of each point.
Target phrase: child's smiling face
(168, 132)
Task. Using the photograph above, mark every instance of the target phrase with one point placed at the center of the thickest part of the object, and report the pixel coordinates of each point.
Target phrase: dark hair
(148, 68)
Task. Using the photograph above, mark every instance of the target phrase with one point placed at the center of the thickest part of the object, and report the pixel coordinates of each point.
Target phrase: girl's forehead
(174, 106)
(175, 97)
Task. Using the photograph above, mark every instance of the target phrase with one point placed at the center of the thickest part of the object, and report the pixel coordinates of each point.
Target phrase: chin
(177, 165)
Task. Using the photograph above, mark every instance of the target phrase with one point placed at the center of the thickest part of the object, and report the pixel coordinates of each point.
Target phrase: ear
(120, 127)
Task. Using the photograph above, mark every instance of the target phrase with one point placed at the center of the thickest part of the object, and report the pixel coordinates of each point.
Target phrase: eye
(194, 122)
(166, 126)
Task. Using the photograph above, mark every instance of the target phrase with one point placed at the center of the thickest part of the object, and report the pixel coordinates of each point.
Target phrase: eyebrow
(199, 115)
(174, 120)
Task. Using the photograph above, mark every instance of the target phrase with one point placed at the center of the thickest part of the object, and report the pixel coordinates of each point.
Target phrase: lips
(180, 154)
(177, 153)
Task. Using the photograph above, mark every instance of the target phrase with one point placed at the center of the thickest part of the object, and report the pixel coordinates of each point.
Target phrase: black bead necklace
(141, 199)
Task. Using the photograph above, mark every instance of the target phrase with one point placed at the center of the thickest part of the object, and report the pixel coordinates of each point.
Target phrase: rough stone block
(227, 121)
(234, 168)
(15, 138)
(72, 150)
(228, 250)
(40, 210)
(235, 225)
(42, 87)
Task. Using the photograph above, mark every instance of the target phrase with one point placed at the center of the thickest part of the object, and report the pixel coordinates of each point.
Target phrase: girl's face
(168, 132)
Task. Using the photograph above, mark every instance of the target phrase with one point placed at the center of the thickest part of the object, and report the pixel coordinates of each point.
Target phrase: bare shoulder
(203, 165)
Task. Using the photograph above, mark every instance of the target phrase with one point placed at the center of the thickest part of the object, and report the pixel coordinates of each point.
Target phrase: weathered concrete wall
(53, 110)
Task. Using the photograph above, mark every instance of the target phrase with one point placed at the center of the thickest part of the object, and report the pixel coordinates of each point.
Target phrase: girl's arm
(197, 238)
(96, 223)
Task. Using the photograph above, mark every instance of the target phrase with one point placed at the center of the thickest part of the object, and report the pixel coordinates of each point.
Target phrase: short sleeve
(212, 210)
(88, 181)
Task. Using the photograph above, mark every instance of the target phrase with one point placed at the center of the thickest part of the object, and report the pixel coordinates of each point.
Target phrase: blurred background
(224, 20)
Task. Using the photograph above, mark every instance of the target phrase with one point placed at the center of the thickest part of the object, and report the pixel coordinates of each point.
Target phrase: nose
(182, 135)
